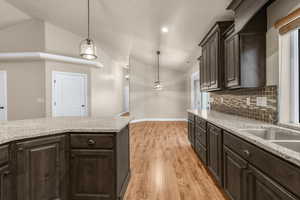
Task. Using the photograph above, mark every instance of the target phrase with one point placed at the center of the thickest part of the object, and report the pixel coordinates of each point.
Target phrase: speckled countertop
(24, 129)
(235, 125)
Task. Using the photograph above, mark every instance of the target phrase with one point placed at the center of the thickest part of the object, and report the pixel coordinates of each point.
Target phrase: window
(199, 100)
(289, 73)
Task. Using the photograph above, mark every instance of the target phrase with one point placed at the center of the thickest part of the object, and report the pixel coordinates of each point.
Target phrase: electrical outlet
(222, 100)
(248, 101)
(261, 101)
(211, 100)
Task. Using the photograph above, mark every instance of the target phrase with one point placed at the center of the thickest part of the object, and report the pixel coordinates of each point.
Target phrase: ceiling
(132, 27)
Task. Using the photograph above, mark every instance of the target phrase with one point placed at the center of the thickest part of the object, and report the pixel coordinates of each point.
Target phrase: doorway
(3, 95)
(69, 94)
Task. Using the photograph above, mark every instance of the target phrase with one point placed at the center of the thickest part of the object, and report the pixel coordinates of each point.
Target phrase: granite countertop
(24, 129)
(234, 124)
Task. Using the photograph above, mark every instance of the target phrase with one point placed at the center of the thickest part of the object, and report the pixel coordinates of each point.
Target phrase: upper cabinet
(212, 60)
(234, 52)
(245, 53)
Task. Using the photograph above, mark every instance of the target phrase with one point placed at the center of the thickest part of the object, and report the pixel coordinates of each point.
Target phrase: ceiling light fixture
(157, 84)
(87, 47)
(164, 30)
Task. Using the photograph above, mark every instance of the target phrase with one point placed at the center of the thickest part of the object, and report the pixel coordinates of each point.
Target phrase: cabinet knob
(246, 153)
(91, 142)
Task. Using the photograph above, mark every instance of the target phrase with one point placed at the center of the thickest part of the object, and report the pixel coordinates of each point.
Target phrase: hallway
(164, 166)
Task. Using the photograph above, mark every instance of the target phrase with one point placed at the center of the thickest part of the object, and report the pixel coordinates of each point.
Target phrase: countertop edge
(282, 152)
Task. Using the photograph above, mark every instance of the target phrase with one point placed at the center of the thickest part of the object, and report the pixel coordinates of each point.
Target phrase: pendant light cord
(158, 53)
(88, 19)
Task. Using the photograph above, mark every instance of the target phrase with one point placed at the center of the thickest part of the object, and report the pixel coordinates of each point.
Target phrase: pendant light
(157, 84)
(87, 46)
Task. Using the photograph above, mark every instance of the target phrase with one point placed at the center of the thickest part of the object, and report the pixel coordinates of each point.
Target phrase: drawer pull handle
(246, 153)
(91, 142)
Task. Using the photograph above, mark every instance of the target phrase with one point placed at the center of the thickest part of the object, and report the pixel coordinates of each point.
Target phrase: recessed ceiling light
(164, 29)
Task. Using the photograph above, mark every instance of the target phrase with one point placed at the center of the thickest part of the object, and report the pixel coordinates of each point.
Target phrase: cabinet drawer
(200, 136)
(4, 154)
(92, 141)
(201, 122)
(201, 152)
(214, 129)
(283, 172)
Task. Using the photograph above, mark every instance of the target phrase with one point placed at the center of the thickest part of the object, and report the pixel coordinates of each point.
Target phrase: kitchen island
(64, 158)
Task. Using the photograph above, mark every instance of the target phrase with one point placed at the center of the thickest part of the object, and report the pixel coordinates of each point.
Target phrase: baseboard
(158, 120)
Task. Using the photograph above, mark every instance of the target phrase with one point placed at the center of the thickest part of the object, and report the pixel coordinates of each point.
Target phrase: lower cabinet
(261, 187)
(41, 169)
(92, 174)
(235, 175)
(242, 181)
(191, 132)
(215, 149)
(5, 183)
(244, 170)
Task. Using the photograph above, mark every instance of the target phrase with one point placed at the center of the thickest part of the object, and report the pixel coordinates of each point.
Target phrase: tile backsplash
(254, 103)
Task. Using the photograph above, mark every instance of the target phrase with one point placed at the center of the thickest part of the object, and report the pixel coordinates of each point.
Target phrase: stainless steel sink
(272, 133)
(295, 145)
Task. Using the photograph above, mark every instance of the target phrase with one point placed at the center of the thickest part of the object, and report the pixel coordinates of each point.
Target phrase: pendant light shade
(88, 48)
(157, 85)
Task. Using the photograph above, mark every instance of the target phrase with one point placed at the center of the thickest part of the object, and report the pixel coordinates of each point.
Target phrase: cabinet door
(5, 183)
(213, 60)
(92, 175)
(191, 132)
(41, 169)
(235, 175)
(232, 62)
(206, 68)
(201, 73)
(262, 187)
(215, 152)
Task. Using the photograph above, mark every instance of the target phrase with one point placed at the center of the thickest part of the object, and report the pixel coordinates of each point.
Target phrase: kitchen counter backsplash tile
(235, 102)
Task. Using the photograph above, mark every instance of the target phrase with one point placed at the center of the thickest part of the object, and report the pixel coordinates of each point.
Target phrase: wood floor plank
(164, 166)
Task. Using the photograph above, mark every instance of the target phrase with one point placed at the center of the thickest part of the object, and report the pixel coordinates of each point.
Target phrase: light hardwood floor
(164, 166)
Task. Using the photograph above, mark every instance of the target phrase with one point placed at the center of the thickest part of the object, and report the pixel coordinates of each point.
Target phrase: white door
(69, 94)
(3, 96)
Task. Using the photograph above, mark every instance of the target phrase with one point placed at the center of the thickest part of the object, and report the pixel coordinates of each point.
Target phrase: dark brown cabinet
(41, 169)
(100, 165)
(243, 170)
(5, 174)
(191, 130)
(200, 139)
(245, 53)
(261, 187)
(235, 175)
(232, 63)
(91, 174)
(5, 183)
(212, 60)
(215, 151)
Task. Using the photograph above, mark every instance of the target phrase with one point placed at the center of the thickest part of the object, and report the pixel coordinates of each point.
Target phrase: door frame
(5, 93)
(53, 93)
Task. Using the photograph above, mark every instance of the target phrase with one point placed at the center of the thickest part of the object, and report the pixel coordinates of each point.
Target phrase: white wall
(105, 84)
(145, 102)
(29, 83)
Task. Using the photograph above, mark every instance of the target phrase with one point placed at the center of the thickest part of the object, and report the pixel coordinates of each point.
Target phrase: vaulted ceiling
(132, 27)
